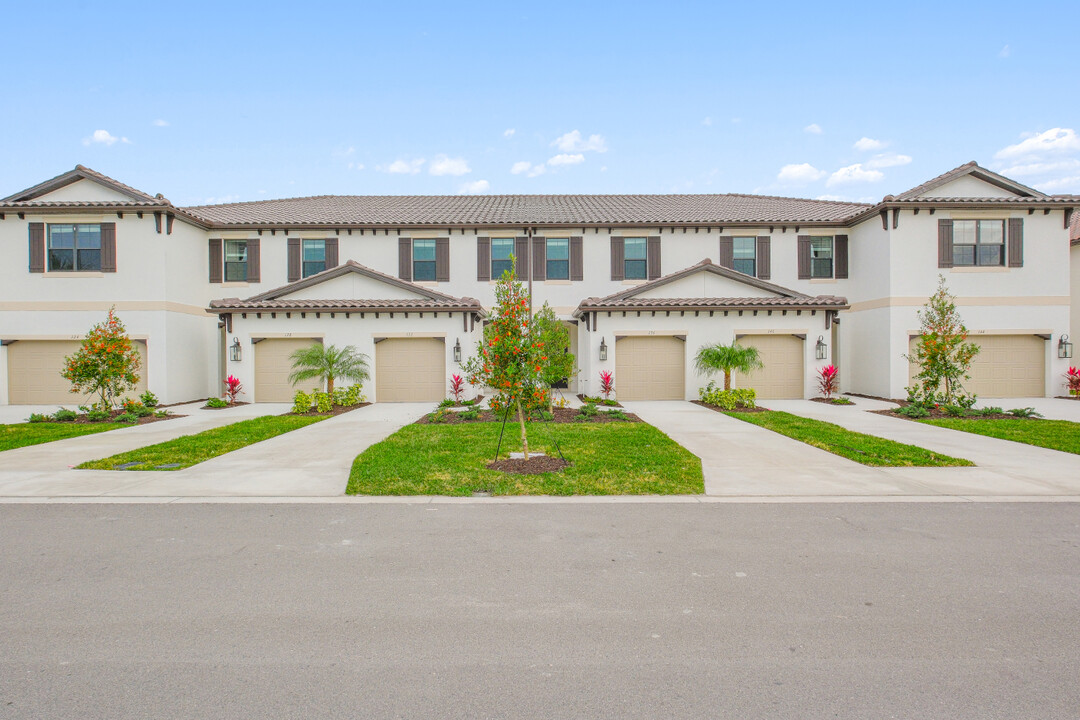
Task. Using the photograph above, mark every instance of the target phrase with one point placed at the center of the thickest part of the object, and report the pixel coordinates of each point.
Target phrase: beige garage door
(410, 370)
(650, 367)
(34, 368)
(1006, 366)
(782, 377)
(273, 367)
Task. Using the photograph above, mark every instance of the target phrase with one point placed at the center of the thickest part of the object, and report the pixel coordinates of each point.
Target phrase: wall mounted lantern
(603, 350)
(235, 353)
(457, 351)
(1065, 349)
(822, 348)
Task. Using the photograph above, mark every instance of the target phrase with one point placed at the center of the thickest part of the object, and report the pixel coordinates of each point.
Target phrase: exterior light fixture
(822, 348)
(1065, 349)
(235, 353)
(457, 351)
(603, 350)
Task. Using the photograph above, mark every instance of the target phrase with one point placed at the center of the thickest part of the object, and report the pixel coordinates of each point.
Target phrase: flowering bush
(607, 382)
(828, 380)
(107, 364)
(232, 388)
(1072, 379)
(457, 387)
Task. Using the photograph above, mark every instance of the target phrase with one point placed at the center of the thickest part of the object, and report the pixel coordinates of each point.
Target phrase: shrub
(913, 411)
(953, 410)
(216, 403)
(37, 418)
(232, 388)
(148, 399)
(457, 387)
(841, 401)
(1028, 412)
(587, 411)
(301, 402)
(616, 414)
(65, 415)
(97, 415)
(324, 402)
(133, 407)
(468, 403)
(469, 414)
(447, 402)
(354, 395)
(828, 380)
(440, 415)
(728, 399)
(129, 418)
(992, 410)
(161, 413)
(1072, 381)
(607, 382)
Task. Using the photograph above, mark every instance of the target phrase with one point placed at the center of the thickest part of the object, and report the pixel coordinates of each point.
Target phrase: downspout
(530, 256)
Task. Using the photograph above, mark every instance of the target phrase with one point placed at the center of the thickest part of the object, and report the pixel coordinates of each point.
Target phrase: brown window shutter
(840, 255)
(763, 262)
(108, 247)
(254, 263)
(404, 267)
(577, 260)
(331, 252)
(654, 257)
(295, 260)
(618, 267)
(944, 243)
(539, 258)
(1016, 242)
(37, 247)
(804, 257)
(726, 258)
(521, 257)
(442, 259)
(216, 260)
(483, 259)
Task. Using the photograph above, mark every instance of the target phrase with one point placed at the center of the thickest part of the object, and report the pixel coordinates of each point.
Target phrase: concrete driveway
(1051, 408)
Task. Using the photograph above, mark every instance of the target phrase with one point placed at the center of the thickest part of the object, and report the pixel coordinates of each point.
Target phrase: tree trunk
(330, 385)
(727, 379)
(524, 437)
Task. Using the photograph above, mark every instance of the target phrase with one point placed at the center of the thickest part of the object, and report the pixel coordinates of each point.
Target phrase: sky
(226, 102)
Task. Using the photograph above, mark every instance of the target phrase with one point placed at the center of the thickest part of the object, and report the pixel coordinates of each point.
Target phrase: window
(745, 250)
(821, 257)
(636, 265)
(314, 257)
(558, 259)
(423, 255)
(236, 261)
(501, 250)
(74, 248)
(978, 242)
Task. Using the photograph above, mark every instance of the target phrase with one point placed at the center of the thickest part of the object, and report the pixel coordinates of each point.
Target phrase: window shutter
(1016, 242)
(654, 257)
(577, 261)
(404, 268)
(521, 257)
(331, 252)
(840, 253)
(763, 262)
(726, 258)
(483, 259)
(216, 260)
(804, 257)
(254, 264)
(442, 259)
(108, 247)
(618, 267)
(295, 260)
(944, 243)
(539, 258)
(37, 247)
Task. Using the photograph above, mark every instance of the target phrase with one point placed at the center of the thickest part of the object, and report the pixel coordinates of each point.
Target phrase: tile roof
(27, 197)
(970, 168)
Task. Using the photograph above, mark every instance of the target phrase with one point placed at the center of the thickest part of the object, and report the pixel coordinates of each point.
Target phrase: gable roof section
(974, 170)
(29, 195)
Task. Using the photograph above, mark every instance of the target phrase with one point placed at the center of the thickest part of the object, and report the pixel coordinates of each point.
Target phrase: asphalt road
(550, 610)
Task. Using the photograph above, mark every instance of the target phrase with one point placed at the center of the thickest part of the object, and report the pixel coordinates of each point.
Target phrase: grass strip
(1060, 435)
(23, 434)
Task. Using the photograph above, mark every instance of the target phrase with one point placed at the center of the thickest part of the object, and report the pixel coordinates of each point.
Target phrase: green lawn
(865, 449)
(1053, 434)
(23, 434)
(188, 450)
(607, 459)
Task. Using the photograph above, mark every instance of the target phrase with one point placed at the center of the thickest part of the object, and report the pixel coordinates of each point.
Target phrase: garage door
(34, 368)
(273, 367)
(651, 367)
(1006, 366)
(782, 377)
(410, 370)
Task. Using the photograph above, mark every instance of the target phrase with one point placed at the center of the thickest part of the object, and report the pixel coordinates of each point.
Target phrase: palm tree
(330, 362)
(712, 359)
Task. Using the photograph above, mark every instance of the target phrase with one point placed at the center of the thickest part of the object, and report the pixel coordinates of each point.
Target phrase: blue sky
(209, 102)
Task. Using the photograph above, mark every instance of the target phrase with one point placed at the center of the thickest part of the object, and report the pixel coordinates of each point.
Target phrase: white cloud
(1042, 168)
(104, 137)
(443, 165)
(813, 129)
(509, 132)
(853, 174)
(866, 144)
(1052, 143)
(887, 160)
(402, 167)
(221, 200)
(835, 198)
(475, 187)
(801, 173)
(537, 170)
(1004, 52)
(572, 142)
(161, 123)
(520, 167)
(707, 121)
(566, 159)
(1071, 182)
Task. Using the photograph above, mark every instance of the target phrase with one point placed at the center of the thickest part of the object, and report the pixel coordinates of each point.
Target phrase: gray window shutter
(618, 267)
(442, 259)
(654, 257)
(331, 252)
(840, 257)
(254, 263)
(944, 243)
(521, 257)
(726, 258)
(577, 260)
(216, 260)
(804, 257)
(1016, 242)
(404, 270)
(763, 261)
(539, 258)
(483, 259)
(295, 259)
(108, 247)
(37, 247)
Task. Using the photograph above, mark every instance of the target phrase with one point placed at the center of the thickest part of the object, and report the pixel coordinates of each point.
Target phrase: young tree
(557, 362)
(330, 362)
(942, 354)
(106, 365)
(727, 359)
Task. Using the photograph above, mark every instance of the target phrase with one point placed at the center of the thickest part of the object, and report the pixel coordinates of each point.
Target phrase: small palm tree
(712, 359)
(329, 362)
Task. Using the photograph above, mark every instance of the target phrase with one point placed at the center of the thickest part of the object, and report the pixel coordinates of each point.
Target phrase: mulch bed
(937, 414)
(561, 415)
(584, 399)
(535, 465)
(898, 401)
(736, 410)
(475, 401)
(83, 420)
(830, 402)
(1067, 397)
(336, 410)
(238, 403)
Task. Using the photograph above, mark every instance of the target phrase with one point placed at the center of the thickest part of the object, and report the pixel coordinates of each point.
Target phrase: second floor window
(979, 242)
(558, 259)
(745, 255)
(635, 258)
(821, 257)
(314, 257)
(501, 250)
(236, 261)
(423, 260)
(74, 248)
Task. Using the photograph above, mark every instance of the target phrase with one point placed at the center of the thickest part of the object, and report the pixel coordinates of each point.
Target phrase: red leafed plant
(607, 382)
(232, 388)
(828, 379)
(1072, 379)
(457, 387)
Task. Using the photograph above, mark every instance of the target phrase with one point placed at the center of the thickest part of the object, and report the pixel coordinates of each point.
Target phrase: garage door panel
(782, 376)
(410, 370)
(273, 365)
(650, 368)
(34, 368)
(1006, 366)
